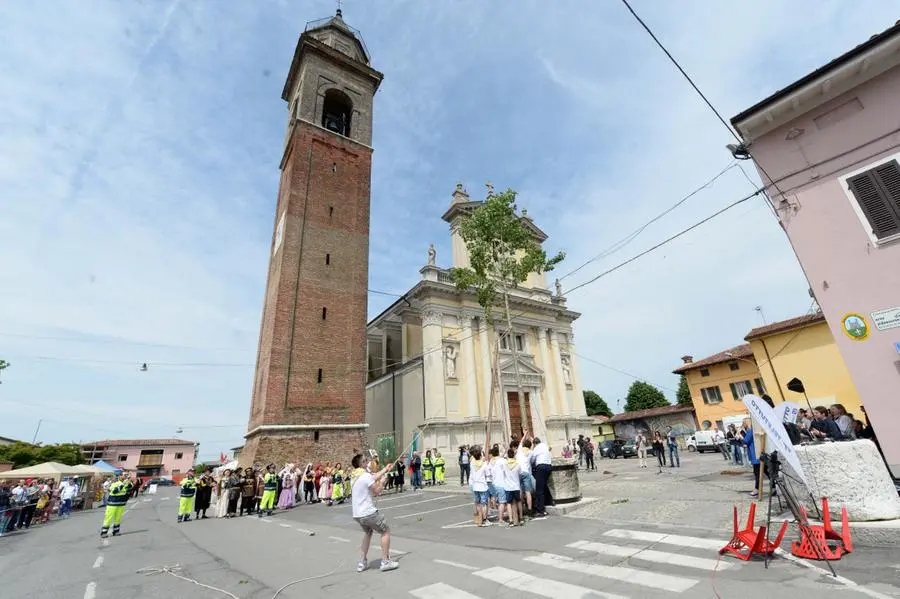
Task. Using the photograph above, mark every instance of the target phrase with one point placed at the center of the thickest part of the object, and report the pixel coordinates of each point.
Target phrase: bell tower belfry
(308, 398)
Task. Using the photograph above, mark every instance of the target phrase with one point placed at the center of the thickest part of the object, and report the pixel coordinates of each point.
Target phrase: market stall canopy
(84, 469)
(53, 470)
(109, 468)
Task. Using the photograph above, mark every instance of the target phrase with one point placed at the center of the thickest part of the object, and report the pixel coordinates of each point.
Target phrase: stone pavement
(442, 555)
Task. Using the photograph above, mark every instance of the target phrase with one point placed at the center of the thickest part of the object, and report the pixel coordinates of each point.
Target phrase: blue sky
(140, 144)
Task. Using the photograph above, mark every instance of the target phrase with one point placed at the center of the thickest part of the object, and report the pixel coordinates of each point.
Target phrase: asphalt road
(441, 557)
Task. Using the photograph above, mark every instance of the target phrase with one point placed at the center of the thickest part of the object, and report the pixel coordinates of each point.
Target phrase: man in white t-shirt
(523, 456)
(365, 487)
(542, 460)
(68, 491)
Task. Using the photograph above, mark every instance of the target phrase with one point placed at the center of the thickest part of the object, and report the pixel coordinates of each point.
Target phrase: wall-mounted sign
(855, 326)
(886, 319)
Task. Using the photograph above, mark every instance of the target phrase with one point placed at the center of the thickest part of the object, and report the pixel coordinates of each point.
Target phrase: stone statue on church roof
(558, 288)
(432, 255)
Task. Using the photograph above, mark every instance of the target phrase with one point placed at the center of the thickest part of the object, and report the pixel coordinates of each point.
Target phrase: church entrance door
(519, 413)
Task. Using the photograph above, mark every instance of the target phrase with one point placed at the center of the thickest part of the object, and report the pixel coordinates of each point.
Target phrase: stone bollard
(563, 483)
(852, 475)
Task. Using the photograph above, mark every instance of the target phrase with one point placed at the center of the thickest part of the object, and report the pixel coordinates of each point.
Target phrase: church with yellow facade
(431, 356)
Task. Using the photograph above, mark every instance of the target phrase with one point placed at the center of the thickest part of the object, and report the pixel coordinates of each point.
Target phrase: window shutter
(734, 392)
(878, 194)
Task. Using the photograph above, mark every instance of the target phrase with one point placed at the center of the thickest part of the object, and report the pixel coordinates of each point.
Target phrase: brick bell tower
(309, 390)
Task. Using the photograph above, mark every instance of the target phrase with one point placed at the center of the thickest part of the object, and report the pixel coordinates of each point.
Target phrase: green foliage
(643, 396)
(683, 396)
(595, 405)
(4, 365)
(502, 250)
(23, 454)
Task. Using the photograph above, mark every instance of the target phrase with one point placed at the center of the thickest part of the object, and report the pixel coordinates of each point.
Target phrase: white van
(702, 441)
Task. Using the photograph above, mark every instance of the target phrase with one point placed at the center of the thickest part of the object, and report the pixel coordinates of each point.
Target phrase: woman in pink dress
(288, 488)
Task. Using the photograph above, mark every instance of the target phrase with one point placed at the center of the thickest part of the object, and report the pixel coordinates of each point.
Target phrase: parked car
(605, 449)
(160, 482)
(628, 449)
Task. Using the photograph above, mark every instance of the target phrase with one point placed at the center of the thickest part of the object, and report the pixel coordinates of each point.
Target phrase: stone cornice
(287, 429)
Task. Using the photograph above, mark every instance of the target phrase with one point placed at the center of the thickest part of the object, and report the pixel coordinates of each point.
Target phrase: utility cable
(665, 241)
(626, 240)
(701, 94)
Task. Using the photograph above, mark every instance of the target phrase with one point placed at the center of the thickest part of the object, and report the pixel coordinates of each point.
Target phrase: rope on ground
(173, 570)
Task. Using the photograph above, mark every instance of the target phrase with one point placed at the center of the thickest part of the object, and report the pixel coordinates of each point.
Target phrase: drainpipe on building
(772, 368)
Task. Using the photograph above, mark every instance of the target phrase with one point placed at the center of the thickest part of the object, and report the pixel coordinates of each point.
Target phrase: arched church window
(337, 110)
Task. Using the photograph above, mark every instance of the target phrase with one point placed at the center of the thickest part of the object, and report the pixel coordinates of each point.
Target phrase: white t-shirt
(498, 465)
(68, 491)
(541, 455)
(477, 478)
(511, 477)
(523, 456)
(363, 503)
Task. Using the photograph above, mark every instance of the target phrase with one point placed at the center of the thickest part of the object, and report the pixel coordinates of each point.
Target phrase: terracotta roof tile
(785, 325)
(738, 351)
(138, 442)
(625, 416)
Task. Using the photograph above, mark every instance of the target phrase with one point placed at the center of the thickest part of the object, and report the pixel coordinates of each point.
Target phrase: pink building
(831, 144)
(170, 458)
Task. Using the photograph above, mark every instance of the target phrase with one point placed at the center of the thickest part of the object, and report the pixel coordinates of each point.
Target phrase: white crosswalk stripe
(651, 555)
(645, 578)
(539, 579)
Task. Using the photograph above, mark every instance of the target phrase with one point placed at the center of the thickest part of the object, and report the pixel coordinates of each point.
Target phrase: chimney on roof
(687, 359)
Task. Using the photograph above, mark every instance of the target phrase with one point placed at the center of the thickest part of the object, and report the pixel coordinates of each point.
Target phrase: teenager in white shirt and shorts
(512, 486)
(367, 515)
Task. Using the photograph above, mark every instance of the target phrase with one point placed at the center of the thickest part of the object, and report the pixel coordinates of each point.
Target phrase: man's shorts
(501, 495)
(513, 496)
(373, 523)
(481, 497)
(527, 482)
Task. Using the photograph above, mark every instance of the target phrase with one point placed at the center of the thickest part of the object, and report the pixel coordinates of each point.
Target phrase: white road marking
(305, 531)
(398, 552)
(106, 542)
(544, 587)
(441, 591)
(822, 571)
(90, 590)
(451, 507)
(99, 561)
(282, 525)
(455, 565)
(391, 507)
(341, 539)
(266, 520)
(148, 499)
(655, 580)
(650, 555)
(655, 537)
(164, 498)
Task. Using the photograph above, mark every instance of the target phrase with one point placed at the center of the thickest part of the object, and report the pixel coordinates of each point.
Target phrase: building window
(505, 343)
(734, 366)
(174, 472)
(711, 395)
(122, 458)
(740, 389)
(877, 193)
(179, 455)
(520, 343)
(704, 372)
(324, 312)
(760, 386)
(327, 259)
(319, 376)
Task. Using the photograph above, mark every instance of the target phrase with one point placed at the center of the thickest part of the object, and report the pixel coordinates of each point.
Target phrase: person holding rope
(365, 487)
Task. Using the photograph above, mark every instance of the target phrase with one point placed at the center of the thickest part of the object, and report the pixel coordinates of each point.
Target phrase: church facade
(433, 359)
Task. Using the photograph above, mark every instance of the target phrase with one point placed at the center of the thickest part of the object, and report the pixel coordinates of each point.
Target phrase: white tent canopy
(229, 466)
(53, 470)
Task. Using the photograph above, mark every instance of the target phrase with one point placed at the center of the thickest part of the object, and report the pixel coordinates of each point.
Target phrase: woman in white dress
(222, 494)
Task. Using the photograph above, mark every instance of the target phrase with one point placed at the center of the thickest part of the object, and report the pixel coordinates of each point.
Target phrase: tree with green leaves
(3, 366)
(23, 454)
(683, 395)
(595, 405)
(643, 396)
(503, 252)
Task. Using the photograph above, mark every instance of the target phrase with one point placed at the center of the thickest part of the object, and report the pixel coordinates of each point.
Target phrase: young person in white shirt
(498, 466)
(367, 485)
(512, 487)
(478, 481)
(523, 457)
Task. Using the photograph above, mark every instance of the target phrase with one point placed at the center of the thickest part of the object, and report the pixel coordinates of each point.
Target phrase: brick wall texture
(321, 262)
(301, 447)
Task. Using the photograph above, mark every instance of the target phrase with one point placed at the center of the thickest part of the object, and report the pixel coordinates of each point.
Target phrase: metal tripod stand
(777, 482)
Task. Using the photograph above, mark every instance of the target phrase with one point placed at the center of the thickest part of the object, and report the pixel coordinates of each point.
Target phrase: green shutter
(734, 392)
